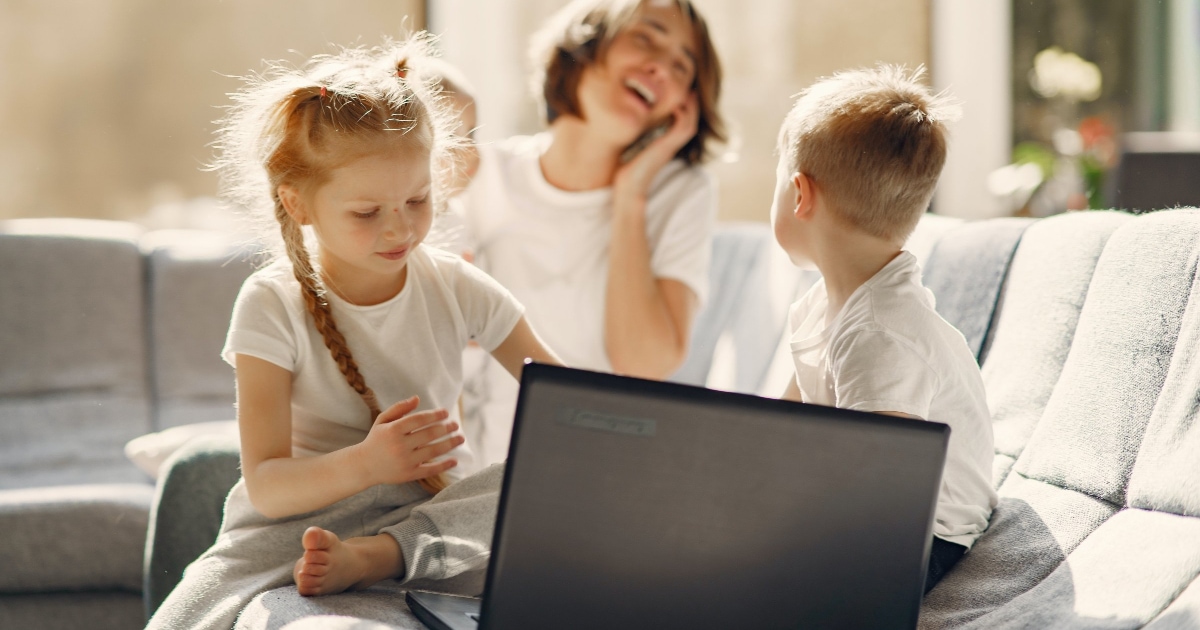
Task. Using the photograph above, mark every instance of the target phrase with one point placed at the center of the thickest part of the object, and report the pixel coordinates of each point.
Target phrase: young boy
(860, 155)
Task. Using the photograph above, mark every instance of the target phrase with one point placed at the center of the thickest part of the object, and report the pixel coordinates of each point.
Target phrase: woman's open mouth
(641, 92)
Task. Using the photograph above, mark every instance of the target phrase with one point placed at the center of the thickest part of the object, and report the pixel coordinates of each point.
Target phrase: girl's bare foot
(332, 565)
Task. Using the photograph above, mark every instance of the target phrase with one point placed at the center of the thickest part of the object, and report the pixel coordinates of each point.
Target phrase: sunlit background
(108, 105)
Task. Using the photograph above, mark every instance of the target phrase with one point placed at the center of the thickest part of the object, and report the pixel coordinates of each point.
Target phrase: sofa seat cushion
(99, 610)
(1122, 576)
(1183, 613)
(380, 607)
(69, 438)
(1033, 529)
(74, 538)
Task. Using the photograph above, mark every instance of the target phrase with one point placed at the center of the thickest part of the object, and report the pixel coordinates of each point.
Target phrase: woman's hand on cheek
(633, 178)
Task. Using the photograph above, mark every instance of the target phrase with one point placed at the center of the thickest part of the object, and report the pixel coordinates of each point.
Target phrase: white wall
(769, 50)
(972, 57)
(1183, 66)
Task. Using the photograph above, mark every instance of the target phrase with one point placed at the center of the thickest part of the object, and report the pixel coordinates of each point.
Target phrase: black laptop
(630, 503)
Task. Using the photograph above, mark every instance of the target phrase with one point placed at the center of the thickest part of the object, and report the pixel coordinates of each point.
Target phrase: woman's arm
(647, 320)
(523, 343)
(396, 450)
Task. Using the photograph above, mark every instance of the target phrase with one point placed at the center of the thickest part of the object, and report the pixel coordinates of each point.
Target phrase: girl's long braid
(318, 307)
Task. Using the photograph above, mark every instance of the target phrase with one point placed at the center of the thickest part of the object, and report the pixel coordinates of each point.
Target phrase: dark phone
(645, 139)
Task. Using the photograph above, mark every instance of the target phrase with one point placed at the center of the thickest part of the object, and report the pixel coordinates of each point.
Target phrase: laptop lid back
(638, 504)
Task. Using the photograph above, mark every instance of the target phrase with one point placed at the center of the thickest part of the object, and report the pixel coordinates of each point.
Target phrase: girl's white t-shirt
(411, 344)
(889, 350)
(550, 248)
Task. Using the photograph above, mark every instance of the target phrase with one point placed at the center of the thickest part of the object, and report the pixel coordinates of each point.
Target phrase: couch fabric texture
(1087, 326)
(1088, 333)
(106, 333)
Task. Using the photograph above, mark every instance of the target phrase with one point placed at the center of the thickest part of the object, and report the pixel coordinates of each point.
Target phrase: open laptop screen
(639, 504)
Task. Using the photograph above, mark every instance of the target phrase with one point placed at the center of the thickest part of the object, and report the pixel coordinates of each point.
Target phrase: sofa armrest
(186, 515)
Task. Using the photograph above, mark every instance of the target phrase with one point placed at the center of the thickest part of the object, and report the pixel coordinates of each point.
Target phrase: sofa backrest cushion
(1031, 334)
(1097, 523)
(194, 278)
(72, 352)
(981, 250)
(1094, 422)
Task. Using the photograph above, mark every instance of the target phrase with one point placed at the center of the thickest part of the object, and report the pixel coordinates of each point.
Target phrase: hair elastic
(322, 91)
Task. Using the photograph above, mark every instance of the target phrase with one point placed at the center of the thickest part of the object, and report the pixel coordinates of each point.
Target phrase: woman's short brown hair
(579, 35)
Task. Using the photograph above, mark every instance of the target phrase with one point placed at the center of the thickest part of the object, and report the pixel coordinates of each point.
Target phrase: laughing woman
(601, 225)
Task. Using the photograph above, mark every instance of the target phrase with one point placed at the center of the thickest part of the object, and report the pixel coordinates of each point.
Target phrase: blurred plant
(1097, 156)
(1060, 74)
(1066, 171)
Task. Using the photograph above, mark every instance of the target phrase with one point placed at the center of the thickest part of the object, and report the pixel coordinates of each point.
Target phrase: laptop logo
(596, 421)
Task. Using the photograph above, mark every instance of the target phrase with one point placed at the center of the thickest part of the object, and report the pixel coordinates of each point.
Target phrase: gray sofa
(106, 333)
(1088, 341)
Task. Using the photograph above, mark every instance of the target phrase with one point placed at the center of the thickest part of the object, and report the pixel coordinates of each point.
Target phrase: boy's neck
(848, 258)
(579, 158)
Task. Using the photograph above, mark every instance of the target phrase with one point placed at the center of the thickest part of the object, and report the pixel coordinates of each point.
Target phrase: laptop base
(440, 611)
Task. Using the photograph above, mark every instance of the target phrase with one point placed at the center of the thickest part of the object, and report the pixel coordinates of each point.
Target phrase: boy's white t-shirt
(889, 350)
(409, 344)
(550, 248)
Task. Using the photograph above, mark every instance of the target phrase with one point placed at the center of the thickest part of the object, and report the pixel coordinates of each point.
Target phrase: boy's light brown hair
(873, 142)
(579, 35)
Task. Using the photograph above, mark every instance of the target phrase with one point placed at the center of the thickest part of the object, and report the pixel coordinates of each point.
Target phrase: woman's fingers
(687, 118)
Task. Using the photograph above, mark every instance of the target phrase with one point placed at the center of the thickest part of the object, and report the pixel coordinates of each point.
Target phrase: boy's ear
(290, 197)
(806, 199)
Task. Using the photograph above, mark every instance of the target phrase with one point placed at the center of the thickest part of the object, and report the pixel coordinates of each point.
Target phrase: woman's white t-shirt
(409, 344)
(889, 350)
(550, 248)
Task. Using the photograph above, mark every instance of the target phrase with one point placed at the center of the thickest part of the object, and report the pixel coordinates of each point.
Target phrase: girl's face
(645, 75)
(369, 217)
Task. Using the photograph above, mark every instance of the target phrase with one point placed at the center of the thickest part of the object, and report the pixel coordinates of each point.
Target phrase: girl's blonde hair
(293, 126)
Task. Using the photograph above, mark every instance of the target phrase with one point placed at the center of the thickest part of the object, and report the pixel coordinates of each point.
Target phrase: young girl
(601, 225)
(346, 359)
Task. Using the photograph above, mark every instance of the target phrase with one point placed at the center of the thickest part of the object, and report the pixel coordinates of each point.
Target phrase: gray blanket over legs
(254, 555)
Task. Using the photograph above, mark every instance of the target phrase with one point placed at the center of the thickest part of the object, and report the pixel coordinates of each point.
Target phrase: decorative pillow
(149, 451)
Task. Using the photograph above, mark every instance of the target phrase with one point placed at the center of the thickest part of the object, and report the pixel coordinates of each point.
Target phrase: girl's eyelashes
(419, 201)
(369, 214)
